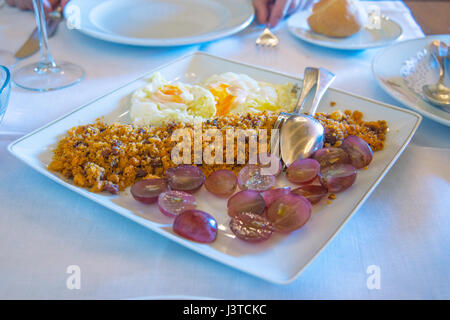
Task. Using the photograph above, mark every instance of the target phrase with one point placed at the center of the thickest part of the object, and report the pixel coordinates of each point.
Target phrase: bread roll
(337, 18)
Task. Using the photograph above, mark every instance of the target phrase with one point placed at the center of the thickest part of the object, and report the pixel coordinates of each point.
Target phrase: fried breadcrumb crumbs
(111, 157)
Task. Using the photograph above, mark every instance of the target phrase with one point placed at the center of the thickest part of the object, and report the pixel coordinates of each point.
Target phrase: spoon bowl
(301, 135)
(438, 95)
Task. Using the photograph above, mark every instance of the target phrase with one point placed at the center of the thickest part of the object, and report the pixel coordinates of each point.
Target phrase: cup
(5, 88)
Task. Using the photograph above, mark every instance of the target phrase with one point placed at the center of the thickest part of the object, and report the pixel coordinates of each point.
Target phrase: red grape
(337, 178)
(148, 190)
(185, 178)
(251, 177)
(290, 212)
(358, 150)
(196, 225)
(303, 171)
(311, 192)
(330, 156)
(246, 201)
(251, 227)
(273, 194)
(172, 203)
(222, 183)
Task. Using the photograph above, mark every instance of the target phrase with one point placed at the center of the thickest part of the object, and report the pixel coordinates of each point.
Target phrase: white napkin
(419, 70)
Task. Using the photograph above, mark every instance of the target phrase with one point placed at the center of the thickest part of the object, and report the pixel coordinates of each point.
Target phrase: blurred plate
(386, 68)
(159, 22)
(279, 259)
(364, 39)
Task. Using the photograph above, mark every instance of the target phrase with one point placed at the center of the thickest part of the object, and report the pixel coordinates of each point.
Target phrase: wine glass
(46, 75)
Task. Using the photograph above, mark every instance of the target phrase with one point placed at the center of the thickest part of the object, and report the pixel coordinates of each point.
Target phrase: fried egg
(160, 102)
(239, 93)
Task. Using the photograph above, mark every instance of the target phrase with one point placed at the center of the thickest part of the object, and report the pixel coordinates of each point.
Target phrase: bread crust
(336, 18)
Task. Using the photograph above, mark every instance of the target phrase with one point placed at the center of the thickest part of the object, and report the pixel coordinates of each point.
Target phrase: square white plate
(283, 257)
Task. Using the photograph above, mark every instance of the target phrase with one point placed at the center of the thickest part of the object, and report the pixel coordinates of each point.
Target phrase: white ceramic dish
(283, 257)
(160, 22)
(364, 39)
(386, 68)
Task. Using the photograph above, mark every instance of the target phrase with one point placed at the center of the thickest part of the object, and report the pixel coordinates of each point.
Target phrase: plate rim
(219, 256)
(175, 42)
(390, 91)
(338, 45)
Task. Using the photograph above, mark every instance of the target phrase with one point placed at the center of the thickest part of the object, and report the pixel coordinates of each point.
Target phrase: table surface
(403, 228)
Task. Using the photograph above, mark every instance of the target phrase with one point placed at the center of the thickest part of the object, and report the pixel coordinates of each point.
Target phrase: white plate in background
(282, 257)
(364, 39)
(386, 68)
(159, 22)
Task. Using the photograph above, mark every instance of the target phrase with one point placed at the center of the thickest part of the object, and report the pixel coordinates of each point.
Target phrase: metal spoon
(438, 94)
(310, 77)
(309, 81)
(302, 135)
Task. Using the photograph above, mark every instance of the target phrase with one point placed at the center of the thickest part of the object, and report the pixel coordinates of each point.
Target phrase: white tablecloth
(403, 227)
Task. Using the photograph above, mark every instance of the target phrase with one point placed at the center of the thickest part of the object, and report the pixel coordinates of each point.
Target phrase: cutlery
(267, 39)
(300, 133)
(309, 81)
(438, 94)
(32, 44)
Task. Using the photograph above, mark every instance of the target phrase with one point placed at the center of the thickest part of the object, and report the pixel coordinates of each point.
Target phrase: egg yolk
(224, 100)
(169, 93)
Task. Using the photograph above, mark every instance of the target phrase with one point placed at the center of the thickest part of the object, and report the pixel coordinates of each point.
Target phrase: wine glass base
(35, 77)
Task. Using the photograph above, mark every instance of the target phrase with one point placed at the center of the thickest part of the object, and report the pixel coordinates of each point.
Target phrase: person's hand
(49, 5)
(270, 12)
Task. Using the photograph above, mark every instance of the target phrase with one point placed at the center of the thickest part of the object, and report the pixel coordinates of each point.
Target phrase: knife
(32, 44)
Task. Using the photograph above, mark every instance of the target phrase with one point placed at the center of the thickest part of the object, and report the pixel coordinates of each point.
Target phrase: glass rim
(7, 80)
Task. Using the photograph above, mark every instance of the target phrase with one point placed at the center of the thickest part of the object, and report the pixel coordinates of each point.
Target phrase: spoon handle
(440, 50)
(310, 77)
(324, 80)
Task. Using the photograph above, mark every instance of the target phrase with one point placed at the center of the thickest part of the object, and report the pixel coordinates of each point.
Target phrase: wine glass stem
(46, 60)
